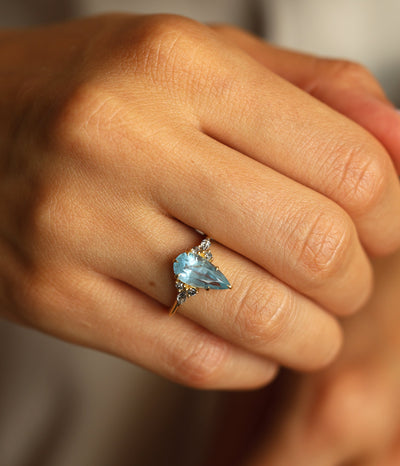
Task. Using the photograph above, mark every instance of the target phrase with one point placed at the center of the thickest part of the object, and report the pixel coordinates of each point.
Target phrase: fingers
(266, 317)
(113, 166)
(101, 313)
(250, 109)
(177, 348)
(299, 68)
(314, 146)
(260, 314)
(345, 86)
(297, 235)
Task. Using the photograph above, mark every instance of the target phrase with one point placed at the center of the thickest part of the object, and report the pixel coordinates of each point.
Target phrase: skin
(347, 414)
(120, 134)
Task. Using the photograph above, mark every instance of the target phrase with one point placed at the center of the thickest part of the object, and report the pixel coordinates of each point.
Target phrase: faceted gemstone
(180, 286)
(205, 244)
(181, 297)
(196, 271)
(208, 255)
(191, 292)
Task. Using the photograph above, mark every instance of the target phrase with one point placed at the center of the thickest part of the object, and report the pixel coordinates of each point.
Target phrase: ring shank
(174, 308)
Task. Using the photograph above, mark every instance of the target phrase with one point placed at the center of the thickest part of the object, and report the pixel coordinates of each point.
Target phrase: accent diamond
(208, 255)
(191, 292)
(181, 298)
(205, 244)
(180, 286)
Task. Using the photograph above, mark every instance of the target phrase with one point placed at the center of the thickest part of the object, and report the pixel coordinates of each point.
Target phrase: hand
(349, 413)
(345, 86)
(119, 135)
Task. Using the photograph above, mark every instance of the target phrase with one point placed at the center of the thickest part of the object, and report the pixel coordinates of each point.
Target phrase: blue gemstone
(196, 271)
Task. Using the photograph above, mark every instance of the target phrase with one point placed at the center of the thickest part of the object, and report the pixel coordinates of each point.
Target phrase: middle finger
(260, 314)
(298, 235)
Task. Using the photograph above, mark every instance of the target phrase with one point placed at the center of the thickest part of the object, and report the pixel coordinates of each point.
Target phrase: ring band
(193, 270)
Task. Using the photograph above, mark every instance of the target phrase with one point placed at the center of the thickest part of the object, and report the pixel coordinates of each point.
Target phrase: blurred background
(63, 405)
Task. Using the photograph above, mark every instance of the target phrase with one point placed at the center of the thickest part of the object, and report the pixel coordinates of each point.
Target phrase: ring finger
(298, 235)
(260, 314)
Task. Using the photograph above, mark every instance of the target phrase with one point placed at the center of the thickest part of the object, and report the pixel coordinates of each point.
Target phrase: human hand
(118, 134)
(350, 412)
(345, 86)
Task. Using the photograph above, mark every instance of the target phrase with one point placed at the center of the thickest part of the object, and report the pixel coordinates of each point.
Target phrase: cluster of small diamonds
(203, 249)
(186, 291)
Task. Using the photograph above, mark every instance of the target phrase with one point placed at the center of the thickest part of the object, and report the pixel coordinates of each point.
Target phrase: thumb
(345, 86)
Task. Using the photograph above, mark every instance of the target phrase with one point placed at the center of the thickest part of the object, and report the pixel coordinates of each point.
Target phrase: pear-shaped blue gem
(197, 271)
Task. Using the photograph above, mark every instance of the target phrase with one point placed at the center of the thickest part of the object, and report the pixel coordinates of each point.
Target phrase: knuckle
(83, 118)
(226, 29)
(347, 72)
(179, 55)
(344, 74)
(199, 361)
(361, 177)
(260, 314)
(325, 241)
(166, 44)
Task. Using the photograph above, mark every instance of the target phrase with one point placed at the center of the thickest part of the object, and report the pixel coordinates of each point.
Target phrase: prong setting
(193, 270)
